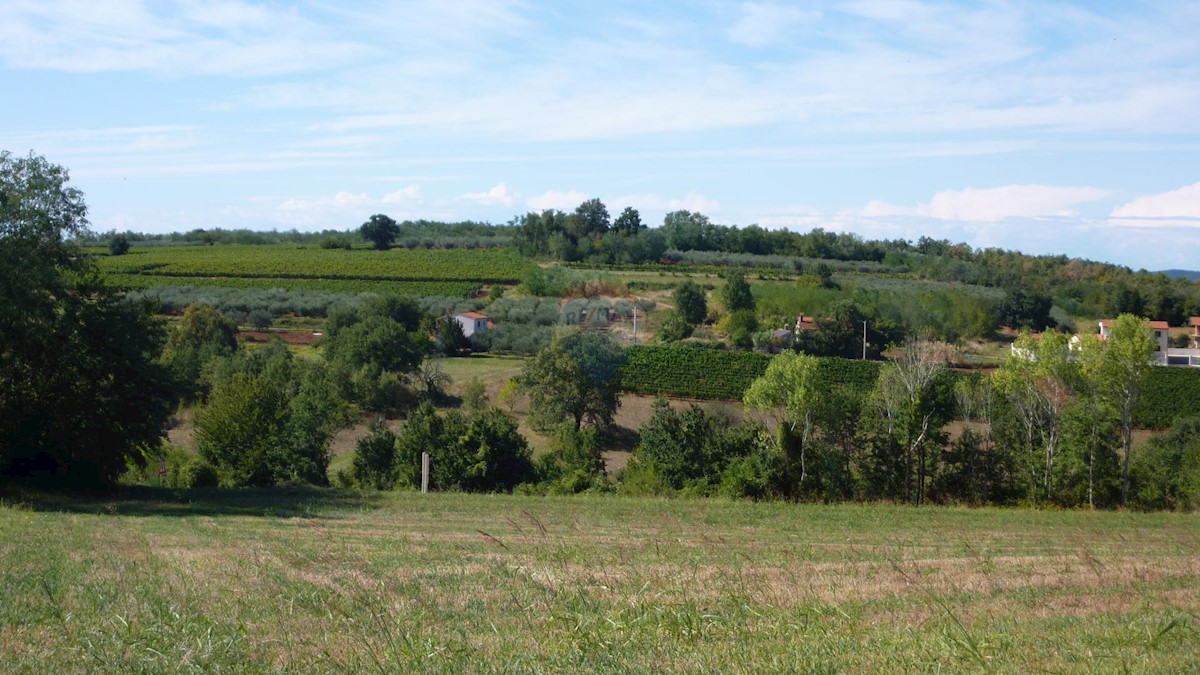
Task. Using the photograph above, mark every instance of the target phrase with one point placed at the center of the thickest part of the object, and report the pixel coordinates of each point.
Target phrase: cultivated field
(398, 271)
(313, 581)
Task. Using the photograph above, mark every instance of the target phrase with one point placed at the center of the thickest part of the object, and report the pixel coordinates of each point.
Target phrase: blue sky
(1044, 127)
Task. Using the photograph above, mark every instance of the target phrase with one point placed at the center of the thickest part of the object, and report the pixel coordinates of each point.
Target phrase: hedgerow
(1168, 393)
(693, 372)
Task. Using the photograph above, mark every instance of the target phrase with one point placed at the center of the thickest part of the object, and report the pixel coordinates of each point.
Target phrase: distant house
(1161, 344)
(473, 322)
(805, 323)
(1194, 324)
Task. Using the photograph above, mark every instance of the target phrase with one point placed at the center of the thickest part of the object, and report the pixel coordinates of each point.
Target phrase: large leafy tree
(269, 419)
(81, 393)
(792, 390)
(1038, 379)
(576, 379)
(200, 335)
(1125, 364)
(380, 230)
(735, 294)
(591, 219)
(629, 222)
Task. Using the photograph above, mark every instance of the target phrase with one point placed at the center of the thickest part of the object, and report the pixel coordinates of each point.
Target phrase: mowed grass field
(314, 581)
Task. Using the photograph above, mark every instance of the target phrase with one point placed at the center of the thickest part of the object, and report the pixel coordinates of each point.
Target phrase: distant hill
(1190, 275)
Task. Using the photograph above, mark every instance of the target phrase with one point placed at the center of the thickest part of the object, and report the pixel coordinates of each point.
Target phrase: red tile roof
(1157, 325)
(472, 315)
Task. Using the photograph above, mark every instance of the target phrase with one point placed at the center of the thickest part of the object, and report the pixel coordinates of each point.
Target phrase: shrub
(375, 458)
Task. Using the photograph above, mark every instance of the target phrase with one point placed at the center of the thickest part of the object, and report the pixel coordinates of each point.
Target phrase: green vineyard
(455, 272)
(717, 374)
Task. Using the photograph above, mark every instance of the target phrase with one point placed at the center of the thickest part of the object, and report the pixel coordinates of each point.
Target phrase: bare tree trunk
(1128, 433)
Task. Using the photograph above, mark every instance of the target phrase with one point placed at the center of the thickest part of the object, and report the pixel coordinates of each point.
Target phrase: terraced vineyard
(400, 271)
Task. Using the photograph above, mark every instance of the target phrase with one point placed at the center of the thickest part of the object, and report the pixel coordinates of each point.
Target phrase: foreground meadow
(310, 580)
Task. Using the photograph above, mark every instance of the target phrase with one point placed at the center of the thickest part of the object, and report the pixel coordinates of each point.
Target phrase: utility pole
(864, 357)
(635, 324)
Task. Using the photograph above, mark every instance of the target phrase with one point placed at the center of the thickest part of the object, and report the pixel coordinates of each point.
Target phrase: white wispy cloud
(554, 199)
(1174, 208)
(499, 195)
(405, 195)
(991, 205)
(693, 201)
(228, 38)
(761, 24)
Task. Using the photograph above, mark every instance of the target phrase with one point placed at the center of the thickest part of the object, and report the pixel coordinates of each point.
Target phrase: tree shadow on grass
(139, 500)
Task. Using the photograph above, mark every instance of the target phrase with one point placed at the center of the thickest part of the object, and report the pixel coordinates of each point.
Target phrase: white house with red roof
(473, 322)
(1161, 344)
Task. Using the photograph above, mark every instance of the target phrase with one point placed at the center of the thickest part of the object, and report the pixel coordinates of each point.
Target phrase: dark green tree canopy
(629, 222)
(576, 379)
(591, 218)
(118, 245)
(380, 230)
(81, 392)
(691, 301)
(735, 294)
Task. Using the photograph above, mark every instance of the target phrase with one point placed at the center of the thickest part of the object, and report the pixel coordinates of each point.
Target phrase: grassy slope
(316, 581)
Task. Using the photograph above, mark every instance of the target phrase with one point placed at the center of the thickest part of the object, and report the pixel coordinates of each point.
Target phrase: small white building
(472, 322)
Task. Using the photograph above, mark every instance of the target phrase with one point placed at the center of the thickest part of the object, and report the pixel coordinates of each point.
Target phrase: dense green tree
(735, 294)
(450, 338)
(498, 458)
(573, 452)
(576, 379)
(741, 327)
(691, 301)
(674, 328)
(1167, 470)
(380, 230)
(118, 245)
(793, 392)
(692, 449)
(378, 341)
(676, 442)
(591, 219)
(483, 453)
(1126, 361)
(375, 458)
(1038, 378)
(81, 393)
(629, 222)
(1025, 308)
(200, 335)
(268, 420)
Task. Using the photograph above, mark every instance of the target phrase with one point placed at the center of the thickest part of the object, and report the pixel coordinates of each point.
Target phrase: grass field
(312, 581)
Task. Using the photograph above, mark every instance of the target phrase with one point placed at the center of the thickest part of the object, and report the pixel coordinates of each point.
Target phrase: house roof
(1194, 321)
(472, 315)
(1157, 325)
